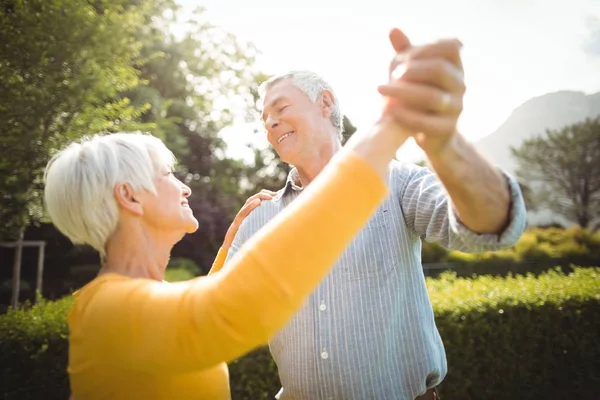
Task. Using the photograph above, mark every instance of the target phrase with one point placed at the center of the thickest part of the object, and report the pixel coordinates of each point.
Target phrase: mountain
(550, 111)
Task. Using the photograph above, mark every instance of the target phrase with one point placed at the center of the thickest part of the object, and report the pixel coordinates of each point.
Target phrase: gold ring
(445, 102)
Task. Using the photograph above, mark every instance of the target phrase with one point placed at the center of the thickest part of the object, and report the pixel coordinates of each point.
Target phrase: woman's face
(168, 211)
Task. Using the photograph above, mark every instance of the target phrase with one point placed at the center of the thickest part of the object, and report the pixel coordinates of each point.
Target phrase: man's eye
(283, 108)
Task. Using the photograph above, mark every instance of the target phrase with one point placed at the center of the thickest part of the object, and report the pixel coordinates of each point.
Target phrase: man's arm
(429, 213)
(425, 94)
(480, 194)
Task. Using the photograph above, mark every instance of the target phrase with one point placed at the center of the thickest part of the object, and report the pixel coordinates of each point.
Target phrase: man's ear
(127, 199)
(327, 103)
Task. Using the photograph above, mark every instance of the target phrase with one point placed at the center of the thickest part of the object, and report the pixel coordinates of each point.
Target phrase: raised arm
(185, 326)
(250, 204)
(425, 93)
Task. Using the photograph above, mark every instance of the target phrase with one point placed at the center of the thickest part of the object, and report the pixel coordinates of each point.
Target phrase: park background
(521, 323)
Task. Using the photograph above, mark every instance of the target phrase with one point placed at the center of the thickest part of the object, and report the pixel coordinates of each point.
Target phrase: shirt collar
(291, 183)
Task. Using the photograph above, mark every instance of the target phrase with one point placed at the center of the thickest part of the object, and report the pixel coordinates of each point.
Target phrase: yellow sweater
(144, 339)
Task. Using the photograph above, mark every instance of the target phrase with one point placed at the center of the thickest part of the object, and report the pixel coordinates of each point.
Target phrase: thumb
(399, 40)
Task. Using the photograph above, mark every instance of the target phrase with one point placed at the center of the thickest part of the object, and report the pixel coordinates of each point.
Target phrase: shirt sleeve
(186, 326)
(428, 212)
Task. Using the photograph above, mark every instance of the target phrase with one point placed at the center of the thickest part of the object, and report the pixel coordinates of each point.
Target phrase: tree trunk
(583, 219)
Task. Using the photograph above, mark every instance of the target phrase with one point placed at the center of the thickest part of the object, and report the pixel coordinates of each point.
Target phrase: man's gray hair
(80, 182)
(312, 85)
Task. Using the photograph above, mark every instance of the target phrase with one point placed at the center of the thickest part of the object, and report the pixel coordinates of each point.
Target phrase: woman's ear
(127, 199)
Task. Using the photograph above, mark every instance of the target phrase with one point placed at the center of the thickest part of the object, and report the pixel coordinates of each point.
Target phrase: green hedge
(538, 250)
(34, 351)
(506, 338)
(520, 337)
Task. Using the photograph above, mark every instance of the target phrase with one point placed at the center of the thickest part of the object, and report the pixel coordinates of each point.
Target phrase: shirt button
(322, 307)
(324, 355)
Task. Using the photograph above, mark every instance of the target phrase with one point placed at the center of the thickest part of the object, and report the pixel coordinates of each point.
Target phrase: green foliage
(34, 351)
(197, 82)
(184, 264)
(254, 376)
(519, 337)
(62, 64)
(432, 252)
(562, 166)
(538, 250)
(181, 269)
(178, 275)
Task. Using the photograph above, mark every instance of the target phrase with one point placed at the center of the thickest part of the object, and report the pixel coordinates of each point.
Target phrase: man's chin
(287, 157)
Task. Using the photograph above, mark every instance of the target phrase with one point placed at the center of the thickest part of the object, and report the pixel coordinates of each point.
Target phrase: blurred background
(187, 71)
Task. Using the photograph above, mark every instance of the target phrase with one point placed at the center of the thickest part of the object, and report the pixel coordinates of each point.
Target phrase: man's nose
(271, 123)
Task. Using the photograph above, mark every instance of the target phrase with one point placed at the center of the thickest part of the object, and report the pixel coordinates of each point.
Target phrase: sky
(513, 50)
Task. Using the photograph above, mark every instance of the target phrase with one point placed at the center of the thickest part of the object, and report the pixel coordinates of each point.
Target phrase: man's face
(293, 122)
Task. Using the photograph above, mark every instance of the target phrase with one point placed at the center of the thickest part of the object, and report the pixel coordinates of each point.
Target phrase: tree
(62, 64)
(563, 167)
(196, 83)
(528, 196)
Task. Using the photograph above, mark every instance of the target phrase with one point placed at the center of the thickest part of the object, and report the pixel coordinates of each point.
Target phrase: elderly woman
(134, 336)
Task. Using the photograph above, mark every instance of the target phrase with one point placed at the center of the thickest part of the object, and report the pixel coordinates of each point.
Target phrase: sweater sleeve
(186, 326)
(219, 261)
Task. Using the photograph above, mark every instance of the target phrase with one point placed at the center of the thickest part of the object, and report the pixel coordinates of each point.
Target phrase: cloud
(591, 47)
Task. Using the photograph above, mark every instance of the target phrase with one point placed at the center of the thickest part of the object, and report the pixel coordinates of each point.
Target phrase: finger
(447, 49)
(434, 71)
(264, 196)
(259, 195)
(399, 40)
(252, 205)
(268, 192)
(423, 98)
(428, 124)
(245, 210)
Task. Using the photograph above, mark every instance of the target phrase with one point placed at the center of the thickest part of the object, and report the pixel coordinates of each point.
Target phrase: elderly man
(368, 330)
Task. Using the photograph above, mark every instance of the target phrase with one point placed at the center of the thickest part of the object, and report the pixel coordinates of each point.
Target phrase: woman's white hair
(80, 182)
(312, 85)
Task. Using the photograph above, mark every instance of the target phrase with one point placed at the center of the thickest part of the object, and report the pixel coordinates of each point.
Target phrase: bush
(181, 269)
(254, 376)
(538, 250)
(177, 275)
(520, 337)
(34, 351)
(184, 264)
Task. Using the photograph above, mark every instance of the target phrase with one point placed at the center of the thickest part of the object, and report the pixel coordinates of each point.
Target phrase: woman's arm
(252, 202)
(186, 326)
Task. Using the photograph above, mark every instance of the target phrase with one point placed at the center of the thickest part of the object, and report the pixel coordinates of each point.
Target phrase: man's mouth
(284, 137)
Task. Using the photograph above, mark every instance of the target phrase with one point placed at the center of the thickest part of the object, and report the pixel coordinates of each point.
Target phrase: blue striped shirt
(368, 330)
